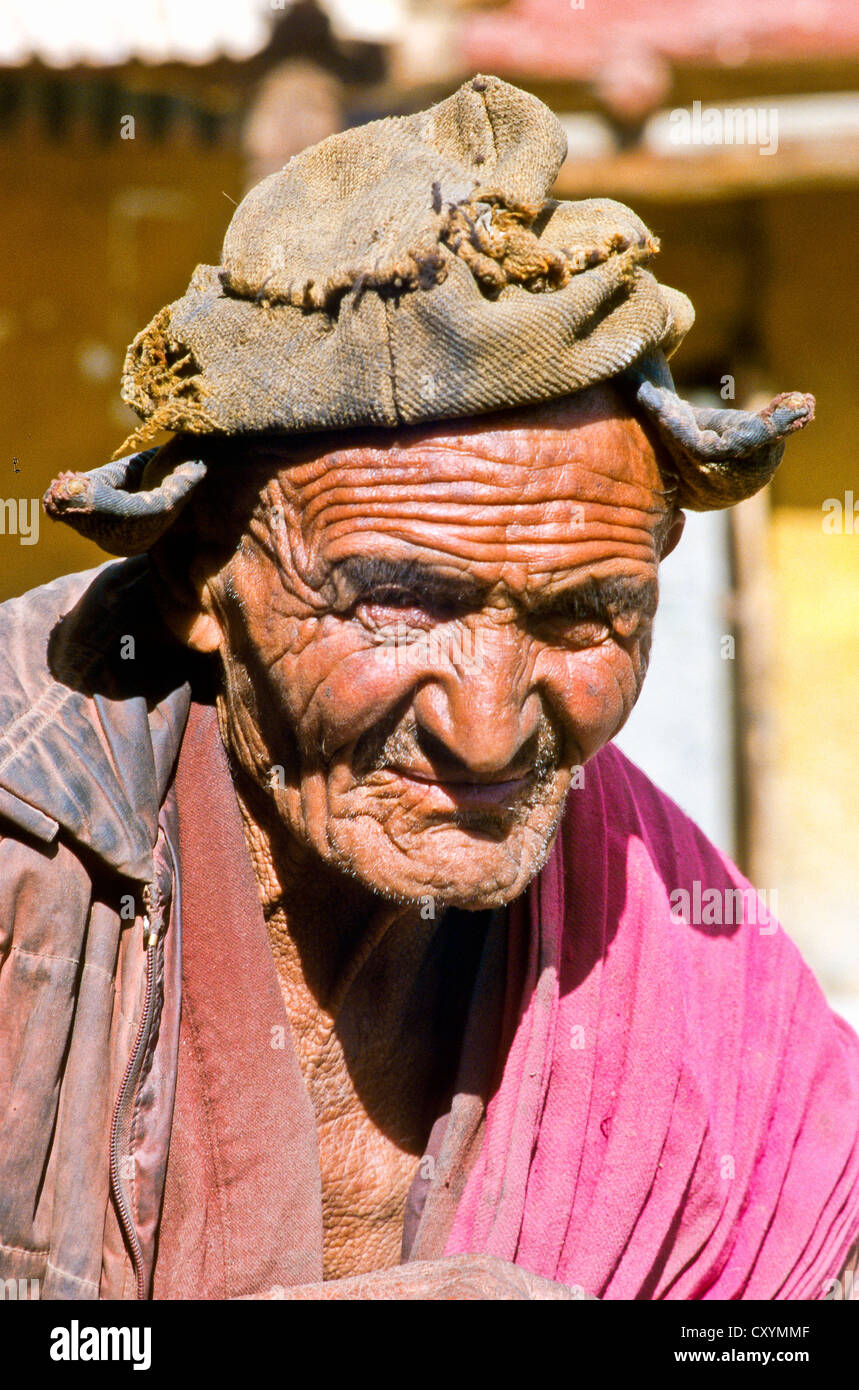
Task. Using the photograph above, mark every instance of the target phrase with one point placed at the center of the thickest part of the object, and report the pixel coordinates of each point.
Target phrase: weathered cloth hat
(414, 269)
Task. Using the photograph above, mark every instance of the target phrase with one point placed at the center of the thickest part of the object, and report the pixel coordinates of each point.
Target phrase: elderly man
(338, 950)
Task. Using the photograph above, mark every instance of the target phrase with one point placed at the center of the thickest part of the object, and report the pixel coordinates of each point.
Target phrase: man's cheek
(592, 692)
(336, 686)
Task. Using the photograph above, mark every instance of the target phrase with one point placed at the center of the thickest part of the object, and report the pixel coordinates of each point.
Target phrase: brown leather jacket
(91, 725)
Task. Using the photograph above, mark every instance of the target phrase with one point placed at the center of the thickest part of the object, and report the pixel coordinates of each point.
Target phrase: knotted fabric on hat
(415, 269)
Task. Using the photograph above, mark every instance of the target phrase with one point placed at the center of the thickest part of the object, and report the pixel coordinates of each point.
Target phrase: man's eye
(387, 608)
(576, 631)
(581, 633)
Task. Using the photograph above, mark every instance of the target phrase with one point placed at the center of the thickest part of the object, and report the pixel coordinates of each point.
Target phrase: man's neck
(324, 927)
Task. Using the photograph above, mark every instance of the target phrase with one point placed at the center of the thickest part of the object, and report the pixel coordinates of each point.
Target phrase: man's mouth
(465, 796)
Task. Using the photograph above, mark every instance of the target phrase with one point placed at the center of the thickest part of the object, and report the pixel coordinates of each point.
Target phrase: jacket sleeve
(58, 949)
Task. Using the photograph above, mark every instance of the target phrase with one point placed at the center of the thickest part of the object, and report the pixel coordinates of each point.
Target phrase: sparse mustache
(400, 742)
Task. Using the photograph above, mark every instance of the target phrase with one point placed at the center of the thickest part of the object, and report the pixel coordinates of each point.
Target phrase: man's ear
(185, 602)
(673, 534)
(198, 630)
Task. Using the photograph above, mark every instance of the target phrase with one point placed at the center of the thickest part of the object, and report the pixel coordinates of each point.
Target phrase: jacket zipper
(125, 1100)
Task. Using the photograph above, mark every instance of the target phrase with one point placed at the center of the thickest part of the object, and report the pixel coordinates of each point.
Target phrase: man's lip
(462, 795)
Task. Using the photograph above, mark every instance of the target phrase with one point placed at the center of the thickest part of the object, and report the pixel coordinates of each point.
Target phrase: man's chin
(452, 867)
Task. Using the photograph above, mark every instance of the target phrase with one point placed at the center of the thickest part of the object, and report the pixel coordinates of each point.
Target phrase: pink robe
(678, 1112)
(644, 1108)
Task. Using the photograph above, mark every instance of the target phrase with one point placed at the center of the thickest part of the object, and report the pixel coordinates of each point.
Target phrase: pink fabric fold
(676, 1113)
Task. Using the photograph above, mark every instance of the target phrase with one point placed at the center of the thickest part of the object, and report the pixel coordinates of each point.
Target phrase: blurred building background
(129, 131)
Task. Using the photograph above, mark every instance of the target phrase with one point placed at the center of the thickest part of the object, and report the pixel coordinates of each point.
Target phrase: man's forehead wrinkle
(519, 486)
(523, 491)
(438, 501)
(549, 424)
(500, 450)
(493, 443)
(511, 520)
(639, 572)
(555, 427)
(489, 537)
(450, 461)
(276, 532)
(555, 544)
(549, 544)
(358, 480)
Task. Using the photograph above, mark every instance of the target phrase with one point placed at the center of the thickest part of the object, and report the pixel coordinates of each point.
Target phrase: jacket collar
(93, 706)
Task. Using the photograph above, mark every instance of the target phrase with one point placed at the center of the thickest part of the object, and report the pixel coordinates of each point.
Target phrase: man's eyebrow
(615, 595)
(360, 574)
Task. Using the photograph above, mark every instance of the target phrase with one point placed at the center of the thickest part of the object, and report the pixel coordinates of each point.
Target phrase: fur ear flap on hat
(105, 506)
(720, 456)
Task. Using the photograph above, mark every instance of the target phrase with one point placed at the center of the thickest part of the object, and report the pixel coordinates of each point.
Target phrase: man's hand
(455, 1278)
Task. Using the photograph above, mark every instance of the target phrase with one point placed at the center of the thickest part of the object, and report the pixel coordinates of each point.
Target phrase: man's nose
(480, 717)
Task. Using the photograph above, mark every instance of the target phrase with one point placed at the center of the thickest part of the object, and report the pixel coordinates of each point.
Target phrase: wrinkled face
(425, 636)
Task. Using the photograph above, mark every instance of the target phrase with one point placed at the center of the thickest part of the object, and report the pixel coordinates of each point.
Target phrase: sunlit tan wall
(812, 328)
(811, 841)
(93, 240)
(776, 302)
